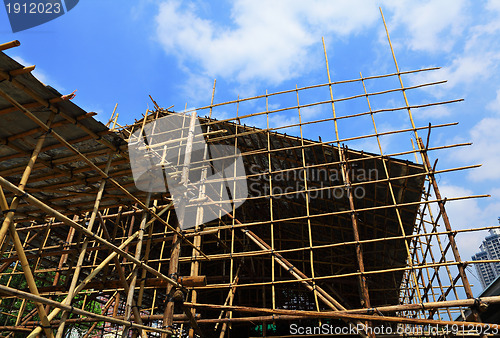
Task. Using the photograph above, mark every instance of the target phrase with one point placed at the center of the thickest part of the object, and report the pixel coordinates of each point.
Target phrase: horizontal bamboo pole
(341, 315)
(309, 143)
(330, 187)
(144, 318)
(110, 216)
(430, 305)
(343, 212)
(271, 318)
(23, 70)
(379, 309)
(337, 276)
(11, 44)
(14, 329)
(310, 87)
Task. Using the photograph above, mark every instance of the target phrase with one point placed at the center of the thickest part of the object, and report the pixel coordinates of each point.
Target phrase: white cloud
(432, 112)
(196, 88)
(430, 26)
(485, 150)
(282, 120)
(267, 41)
(495, 104)
(464, 70)
(464, 214)
(445, 26)
(493, 5)
(485, 139)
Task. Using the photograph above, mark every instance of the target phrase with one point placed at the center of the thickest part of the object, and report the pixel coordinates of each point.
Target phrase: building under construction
(320, 235)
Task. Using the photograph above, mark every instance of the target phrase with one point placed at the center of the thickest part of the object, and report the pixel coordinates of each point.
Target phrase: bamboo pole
(23, 70)
(229, 300)
(309, 87)
(271, 211)
(143, 273)
(8, 225)
(30, 279)
(8, 45)
(233, 238)
(133, 281)
(24, 179)
(121, 275)
(176, 245)
(195, 265)
(83, 252)
(308, 213)
(363, 287)
(345, 316)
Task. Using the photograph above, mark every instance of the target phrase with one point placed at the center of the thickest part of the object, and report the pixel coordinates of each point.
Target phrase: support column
(9, 225)
(81, 257)
(138, 250)
(176, 241)
(354, 220)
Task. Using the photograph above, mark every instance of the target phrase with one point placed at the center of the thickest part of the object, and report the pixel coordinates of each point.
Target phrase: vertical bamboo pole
(231, 278)
(345, 175)
(306, 189)
(461, 269)
(24, 179)
(229, 301)
(195, 265)
(354, 222)
(153, 303)
(81, 257)
(144, 272)
(138, 250)
(425, 196)
(8, 225)
(393, 196)
(271, 214)
(434, 223)
(30, 279)
(176, 244)
(23, 303)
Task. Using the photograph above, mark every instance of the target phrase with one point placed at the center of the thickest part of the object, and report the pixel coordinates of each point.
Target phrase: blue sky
(121, 52)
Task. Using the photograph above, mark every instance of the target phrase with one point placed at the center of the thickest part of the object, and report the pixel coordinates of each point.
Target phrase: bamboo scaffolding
(301, 252)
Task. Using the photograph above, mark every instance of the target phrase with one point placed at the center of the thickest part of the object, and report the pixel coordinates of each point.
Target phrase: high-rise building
(489, 250)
